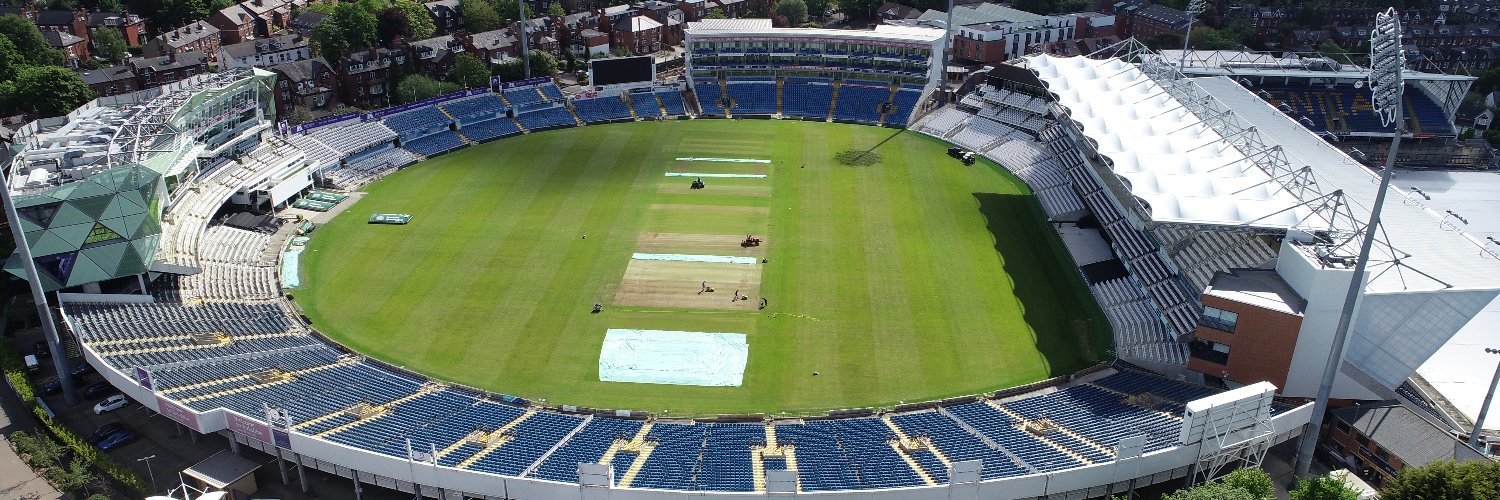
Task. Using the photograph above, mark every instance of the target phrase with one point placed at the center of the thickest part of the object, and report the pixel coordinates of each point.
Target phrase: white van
(31, 365)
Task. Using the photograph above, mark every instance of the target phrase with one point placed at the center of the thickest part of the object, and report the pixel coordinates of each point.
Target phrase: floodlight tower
(525, 43)
(38, 296)
(1194, 8)
(1386, 62)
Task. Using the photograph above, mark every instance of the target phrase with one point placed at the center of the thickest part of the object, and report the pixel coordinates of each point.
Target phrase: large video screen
(618, 70)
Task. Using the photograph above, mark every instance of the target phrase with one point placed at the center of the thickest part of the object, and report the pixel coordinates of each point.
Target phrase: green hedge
(15, 372)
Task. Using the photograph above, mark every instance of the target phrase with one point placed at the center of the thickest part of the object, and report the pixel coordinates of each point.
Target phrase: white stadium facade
(1173, 180)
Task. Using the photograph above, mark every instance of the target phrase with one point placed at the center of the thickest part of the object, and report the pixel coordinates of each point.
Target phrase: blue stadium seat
(601, 109)
(435, 144)
(545, 118)
(645, 105)
(860, 102)
(672, 101)
(491, 129)
(475, 109)
(806, 97)
(752, 98)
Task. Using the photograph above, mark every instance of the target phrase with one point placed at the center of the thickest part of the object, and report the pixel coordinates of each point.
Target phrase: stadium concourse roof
(1419, 249)
(1452, 369)
(762, 27)
(1239, 62)
(1173, 161)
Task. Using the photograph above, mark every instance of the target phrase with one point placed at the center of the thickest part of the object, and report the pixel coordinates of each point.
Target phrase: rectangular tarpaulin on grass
(677, 257)
(724, 160)
(721, 176)
(672, 357)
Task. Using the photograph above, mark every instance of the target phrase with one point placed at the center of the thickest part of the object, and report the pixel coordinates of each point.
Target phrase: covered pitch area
(891, 271)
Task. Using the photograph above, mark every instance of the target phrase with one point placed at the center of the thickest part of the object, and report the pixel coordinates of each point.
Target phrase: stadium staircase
(345, 361)
(625, 98)
(890, 102)
(780, 84)
(571, 112)
(462, 137)
(367, 412)
(904, 445)
(538, 90)
(834, 99)
(634, 443)
(787, 452)
(642, 449)
(1145, 400)
(290, 376)
(497, 438)
(224, 340)
(659, 104)
(519, 127)
(728, 103)
(1022, 425)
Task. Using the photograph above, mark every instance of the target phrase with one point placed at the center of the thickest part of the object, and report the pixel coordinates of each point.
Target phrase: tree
(542, 64)
(350, 27)
(795, 11)
(110, 45)
(1243, 484)
(163, 15)
(1210, 491)
(506, 9)
(556, 10)
(391, 24)
(714, 14)
(1445, 480)
(11, 60)
(418, 18)
(469, 72)
(417, 87)
(329, 41)
(299, 115)
(816, 9)
(29, 41)
(479, 16)
(860, 9)
(51, 90)
(1323, 488)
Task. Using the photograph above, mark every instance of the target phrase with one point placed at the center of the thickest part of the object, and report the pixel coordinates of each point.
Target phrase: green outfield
(909, 279)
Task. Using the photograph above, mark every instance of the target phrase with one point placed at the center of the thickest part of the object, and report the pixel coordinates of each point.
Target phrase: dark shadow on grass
(865, 157)
(1071, 332)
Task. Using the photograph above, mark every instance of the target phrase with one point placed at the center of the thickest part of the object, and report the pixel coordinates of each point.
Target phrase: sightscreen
(615, 71)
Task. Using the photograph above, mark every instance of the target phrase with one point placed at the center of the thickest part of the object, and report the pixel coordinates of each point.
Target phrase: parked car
(118, 439)
(110, 404)
(40, 349)
(32, 366)
(104, 432)
(83, 368)
(53, 386)
(98, 390)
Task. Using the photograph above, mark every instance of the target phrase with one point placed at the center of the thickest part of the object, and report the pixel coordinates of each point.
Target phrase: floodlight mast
(1194, 8)
(1386, 87)
(38, 296)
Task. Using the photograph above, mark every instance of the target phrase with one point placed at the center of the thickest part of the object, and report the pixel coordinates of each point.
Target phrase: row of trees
(359, 25)
(31, 78)
(470, 72)
(1435, 481)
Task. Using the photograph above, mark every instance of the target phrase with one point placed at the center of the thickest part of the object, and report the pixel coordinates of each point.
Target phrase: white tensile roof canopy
(1181, 169)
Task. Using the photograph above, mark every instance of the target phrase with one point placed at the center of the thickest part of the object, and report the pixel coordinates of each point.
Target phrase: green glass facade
(99, 228)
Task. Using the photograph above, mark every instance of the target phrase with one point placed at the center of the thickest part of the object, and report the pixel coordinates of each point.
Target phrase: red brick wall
(1260, 349)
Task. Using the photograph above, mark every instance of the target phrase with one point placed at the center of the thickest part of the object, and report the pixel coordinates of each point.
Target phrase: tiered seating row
(435, 144)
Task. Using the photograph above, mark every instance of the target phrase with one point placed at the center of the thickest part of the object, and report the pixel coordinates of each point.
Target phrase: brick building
(199, 37)
(1378, 441)
(1151, 21)
(111, 81)
(366, 78)
(309, 84)
(75, 50)
(641, 35)
(264, 52)
(1248, 332)
(445, 16)
(155, 71)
